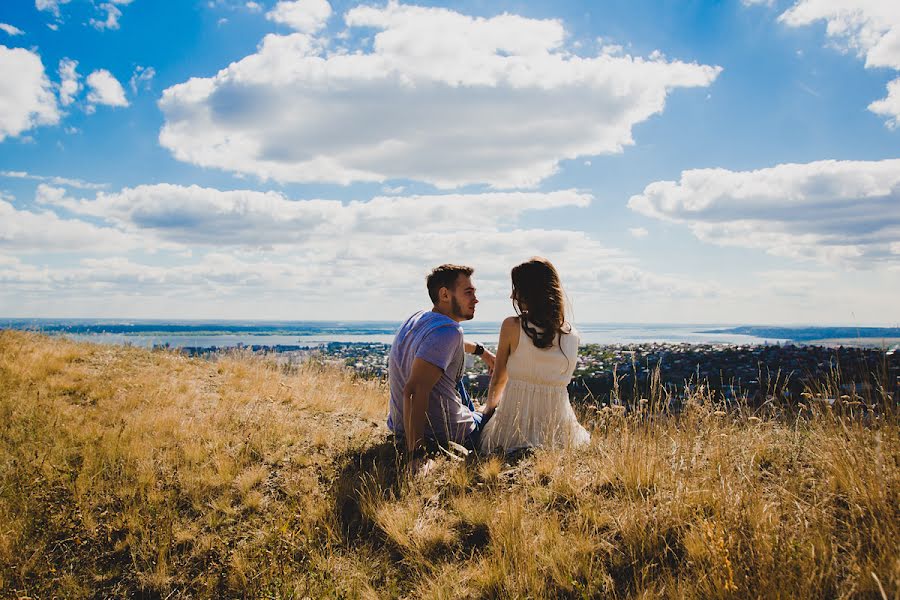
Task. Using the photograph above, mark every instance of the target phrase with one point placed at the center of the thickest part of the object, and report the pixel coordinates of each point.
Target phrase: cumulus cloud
(26, 95)
(363, 250)
(69, 85)
(51, 6)
(108, 12)
(112, 17)
(376, 274)
(142, 76)
(889, 107)
(105, 89)
(307, 16)
(244, 217)
(638, 232)
(45, 231)
(10, 29)
(869, 28)
(833, 211)
(113, 13)
(55, 180)
(439, 97)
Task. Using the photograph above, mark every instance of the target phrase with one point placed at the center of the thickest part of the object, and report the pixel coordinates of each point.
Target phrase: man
(426, 365)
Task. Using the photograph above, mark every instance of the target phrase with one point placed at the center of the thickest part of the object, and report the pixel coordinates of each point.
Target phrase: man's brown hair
(445, 276)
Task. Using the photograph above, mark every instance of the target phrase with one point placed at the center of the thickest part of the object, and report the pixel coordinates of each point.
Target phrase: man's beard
(457, 312)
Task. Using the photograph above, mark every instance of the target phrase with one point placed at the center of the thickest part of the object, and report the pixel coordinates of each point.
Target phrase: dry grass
(123, 470)
(126, 472)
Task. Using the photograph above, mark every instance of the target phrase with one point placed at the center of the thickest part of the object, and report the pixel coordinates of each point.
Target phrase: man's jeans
(480, 421)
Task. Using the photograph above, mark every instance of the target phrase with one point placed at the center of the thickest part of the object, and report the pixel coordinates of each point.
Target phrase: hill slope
(127, 472)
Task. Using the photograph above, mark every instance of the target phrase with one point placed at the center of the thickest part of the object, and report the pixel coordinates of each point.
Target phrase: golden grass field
(133, 473)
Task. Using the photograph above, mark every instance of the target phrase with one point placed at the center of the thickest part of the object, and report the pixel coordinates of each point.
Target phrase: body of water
(225, 334)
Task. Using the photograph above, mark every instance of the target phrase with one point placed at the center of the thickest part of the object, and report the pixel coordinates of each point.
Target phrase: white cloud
(834, 211)
(253, 6)
(26, 95)
(48, 194)
(69, 85)
(10, 29)
(113, 13)
(244, 217)
(142, 76)
(307, 16)
(109, 12)
(440, 97)
(364, 250)
(55, 180)
(638, 232)
(889, 107)
(50, 5)
(379, 276)
(869, 28)
(112, 17)
(757, 2)
(105, 89)
(18, 278)
(44, 231)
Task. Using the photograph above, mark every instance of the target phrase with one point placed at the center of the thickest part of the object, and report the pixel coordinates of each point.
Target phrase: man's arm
(416, 392)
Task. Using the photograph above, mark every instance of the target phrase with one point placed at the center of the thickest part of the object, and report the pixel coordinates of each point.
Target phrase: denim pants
(480, 421)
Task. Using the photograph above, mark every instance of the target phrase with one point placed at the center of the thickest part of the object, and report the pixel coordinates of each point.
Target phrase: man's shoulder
(428, 327)
(434, 321)
(440, 335)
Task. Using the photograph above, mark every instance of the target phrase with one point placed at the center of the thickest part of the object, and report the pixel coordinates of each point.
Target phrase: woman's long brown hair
(540, 301)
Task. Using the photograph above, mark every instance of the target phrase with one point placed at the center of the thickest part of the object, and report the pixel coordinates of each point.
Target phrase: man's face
(462, 299)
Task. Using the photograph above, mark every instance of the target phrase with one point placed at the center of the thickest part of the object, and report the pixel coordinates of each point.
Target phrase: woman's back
(534, 409)
(544, 366)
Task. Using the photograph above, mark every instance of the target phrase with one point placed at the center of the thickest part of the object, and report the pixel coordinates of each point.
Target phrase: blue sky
(705, 162)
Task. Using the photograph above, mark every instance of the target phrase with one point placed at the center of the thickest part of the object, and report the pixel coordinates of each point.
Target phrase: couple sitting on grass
(527, 403)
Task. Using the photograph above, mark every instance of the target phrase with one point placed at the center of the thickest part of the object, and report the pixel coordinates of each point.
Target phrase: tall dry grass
(128, 472)
(125, 470)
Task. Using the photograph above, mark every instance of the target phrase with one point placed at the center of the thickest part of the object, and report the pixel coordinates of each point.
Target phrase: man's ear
(444, 294)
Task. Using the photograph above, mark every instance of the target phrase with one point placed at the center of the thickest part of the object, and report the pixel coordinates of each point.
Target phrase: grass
(125, 472)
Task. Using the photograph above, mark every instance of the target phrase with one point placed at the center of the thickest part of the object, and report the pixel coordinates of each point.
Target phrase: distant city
(607, 372)
(752, 362)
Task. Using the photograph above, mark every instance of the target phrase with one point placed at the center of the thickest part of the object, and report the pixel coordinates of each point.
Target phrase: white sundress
(534, 409)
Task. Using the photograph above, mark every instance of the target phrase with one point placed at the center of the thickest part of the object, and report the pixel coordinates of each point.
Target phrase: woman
(536, 356)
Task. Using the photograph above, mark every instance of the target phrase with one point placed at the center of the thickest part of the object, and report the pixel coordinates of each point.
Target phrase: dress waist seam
(542, 384)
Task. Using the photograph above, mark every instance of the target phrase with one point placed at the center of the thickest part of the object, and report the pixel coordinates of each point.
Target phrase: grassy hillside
(125, 472)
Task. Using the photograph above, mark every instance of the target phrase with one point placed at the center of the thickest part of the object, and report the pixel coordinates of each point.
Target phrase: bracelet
(479, 349)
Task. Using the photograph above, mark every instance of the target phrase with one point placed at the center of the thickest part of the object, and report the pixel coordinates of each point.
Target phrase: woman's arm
(509, 334)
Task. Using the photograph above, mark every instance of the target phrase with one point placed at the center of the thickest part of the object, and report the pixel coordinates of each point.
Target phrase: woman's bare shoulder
(509, 332)
(512, 322)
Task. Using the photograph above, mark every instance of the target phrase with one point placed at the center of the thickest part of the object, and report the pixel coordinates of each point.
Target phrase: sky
(679, 162)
